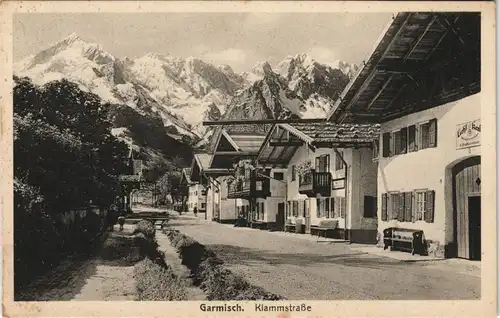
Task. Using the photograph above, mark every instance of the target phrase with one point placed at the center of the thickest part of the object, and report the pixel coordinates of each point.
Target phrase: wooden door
(280, 217)
(467, 211)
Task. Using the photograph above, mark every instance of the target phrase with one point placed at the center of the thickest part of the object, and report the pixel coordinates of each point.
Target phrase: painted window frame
(415, 206)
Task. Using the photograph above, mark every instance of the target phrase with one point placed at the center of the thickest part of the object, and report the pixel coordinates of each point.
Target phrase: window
(370, 207)
(293, 172)
(279, 176)
(339, 164)
(296, 208)
(417, 205)
(203, 205)
(305, 209)
(322, 163)
(318, 208)
(410, 139)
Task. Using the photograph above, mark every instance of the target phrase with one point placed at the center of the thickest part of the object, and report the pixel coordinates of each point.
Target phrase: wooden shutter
(295, 208)
(332, 207)
(412, 142)
(301, 208)
(433, 133)
(316, 163)
(404, 140)
(397, 142)
(424, 136)
(304, 208)
(429, 206)
(408, 207)
(293, 172)
(327, 207)
(384, 206)
(401, 207)
(386, 145)
(318, 206)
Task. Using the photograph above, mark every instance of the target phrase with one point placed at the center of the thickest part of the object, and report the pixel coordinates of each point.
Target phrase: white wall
(361, 181)
(195, 197)
(429, 168)
(227, 206)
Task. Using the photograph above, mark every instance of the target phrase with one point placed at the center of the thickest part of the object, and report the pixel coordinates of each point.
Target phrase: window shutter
(408, 207)
(316, 163)
(293, 172)
(318, 206)
(401, 207)
(295, 208)
(429, 206)
(397, 143)
(327, 207)
(304, 209)
(386, 145)
(404, 140)
(433, 133)
(301, 208)
(384, 206)
(412, 133)
(424, 131)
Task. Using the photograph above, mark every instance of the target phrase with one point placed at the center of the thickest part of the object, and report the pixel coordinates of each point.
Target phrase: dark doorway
(280, 217)
(467, 208)
(474, 207)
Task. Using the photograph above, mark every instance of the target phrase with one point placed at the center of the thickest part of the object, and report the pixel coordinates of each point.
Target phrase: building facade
(422, 84)
(326, 177)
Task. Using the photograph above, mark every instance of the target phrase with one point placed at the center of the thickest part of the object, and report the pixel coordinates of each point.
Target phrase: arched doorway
(467, 208)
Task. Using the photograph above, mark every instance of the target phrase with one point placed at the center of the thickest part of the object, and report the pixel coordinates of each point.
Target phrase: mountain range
(177, 94)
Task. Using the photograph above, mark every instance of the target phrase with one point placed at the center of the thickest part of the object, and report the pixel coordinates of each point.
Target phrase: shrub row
(155, 280)
(209, 273)
(157, 283)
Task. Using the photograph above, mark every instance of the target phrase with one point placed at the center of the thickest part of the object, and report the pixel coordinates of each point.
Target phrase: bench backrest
(328, 223)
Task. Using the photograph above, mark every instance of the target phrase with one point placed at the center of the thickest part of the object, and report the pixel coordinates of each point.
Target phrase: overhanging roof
(231, 147)
(421, 60)
(201, 162)
(285, 139)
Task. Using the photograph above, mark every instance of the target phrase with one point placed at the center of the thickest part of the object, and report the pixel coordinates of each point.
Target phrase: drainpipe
(346, 192)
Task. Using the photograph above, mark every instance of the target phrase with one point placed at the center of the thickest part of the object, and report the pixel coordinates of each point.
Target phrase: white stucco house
(330, 175)
(422, 84)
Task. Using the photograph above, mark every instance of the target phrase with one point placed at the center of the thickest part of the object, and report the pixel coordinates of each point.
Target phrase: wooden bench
(161, 220)
(404, 239)
(289, 226)
(324, 226)
(258, 224)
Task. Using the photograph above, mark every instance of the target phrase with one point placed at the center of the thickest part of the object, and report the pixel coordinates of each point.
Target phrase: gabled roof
(285, 139)
(201, 162)
(186, 175)
(421, 60)
(231, 147)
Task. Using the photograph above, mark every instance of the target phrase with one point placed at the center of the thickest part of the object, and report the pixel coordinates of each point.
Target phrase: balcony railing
(249, 187)
(312, 183)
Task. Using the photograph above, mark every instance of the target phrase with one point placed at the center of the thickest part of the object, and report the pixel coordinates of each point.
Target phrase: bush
(157, 283)
(208, 271)
(123, 249)
(145, 227)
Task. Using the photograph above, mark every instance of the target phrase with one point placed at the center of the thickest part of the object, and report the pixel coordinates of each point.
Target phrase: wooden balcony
(313, 183)
(252, 187)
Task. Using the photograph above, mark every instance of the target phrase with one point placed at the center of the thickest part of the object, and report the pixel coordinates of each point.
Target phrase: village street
(297, 267)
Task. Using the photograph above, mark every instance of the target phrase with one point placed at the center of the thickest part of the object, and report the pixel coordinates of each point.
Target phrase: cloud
(228, 56)
(323, 55)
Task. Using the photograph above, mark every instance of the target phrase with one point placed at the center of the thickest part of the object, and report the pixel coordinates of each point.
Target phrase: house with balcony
(422, 84)
(330, 176)
(199, 183)
(242, 190)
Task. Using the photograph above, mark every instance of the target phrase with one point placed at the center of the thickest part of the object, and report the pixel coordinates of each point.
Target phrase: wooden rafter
(381, 90)
(262, 121)
(450, 26)
(285, 143)
(234, 153)
(396, 96)
(417, 42)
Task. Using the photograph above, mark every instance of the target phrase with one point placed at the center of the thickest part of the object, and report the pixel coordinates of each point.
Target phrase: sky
(236, 39)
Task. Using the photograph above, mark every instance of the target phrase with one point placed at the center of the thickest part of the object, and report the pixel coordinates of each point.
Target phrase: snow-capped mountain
(183, 92)
(180, 93)
(297, 86)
